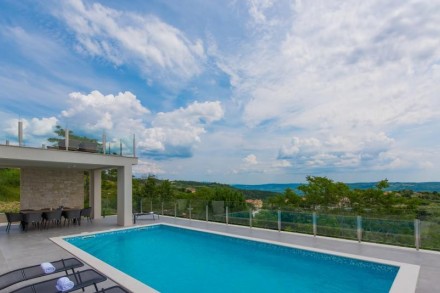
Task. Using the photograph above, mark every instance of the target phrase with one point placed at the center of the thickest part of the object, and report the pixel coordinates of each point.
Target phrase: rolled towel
(47, 267)
(64, 284)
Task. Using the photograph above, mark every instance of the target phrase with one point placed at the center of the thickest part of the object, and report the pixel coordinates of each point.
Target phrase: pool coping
(405, 280)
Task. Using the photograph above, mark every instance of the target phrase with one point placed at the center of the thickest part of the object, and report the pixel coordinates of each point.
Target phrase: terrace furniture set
(46, 217)
(78, 279)
(78, 145)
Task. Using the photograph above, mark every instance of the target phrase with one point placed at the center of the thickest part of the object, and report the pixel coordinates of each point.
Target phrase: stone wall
(51, 188)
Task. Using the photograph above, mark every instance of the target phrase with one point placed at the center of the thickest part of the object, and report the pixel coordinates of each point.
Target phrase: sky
(232, 91)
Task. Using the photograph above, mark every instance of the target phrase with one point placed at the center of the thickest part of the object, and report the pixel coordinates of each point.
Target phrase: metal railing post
(66, 138)
(190, 211)
(227, 215)
(207, 215)
(417, 233)
(141, 205)
(250, 218)
(162, 208)
(20, 133)
(134, 146)
(151, 205)
(175, 209)
(279, 220)
(104, 142)
(359, 228)
(315, 230)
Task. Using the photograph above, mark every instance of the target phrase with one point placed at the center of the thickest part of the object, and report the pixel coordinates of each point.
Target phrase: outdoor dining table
(30, 216)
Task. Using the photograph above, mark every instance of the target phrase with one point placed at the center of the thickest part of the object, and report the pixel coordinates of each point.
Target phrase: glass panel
(429, 227)
(198, 211)
(266, 219)
(238, 213)
(389, 231)
(217, 211)
(168, 208)
(182, 206)
(300, 222)
(337, 226)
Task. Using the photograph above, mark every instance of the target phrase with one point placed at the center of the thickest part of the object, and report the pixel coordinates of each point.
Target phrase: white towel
(64, 284)
(47, 267)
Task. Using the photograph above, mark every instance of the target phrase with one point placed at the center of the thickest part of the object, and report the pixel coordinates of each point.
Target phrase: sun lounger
(114, 289)
(137, 215)
(80, 280)
(27, 273)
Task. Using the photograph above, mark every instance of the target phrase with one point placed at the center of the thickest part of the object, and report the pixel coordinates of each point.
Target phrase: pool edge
(404, 282)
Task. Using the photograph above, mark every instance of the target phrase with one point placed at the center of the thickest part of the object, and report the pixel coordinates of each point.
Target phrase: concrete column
(125, 210)
(95, 193)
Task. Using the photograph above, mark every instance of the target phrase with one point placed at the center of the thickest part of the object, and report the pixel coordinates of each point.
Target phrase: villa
(52, 178)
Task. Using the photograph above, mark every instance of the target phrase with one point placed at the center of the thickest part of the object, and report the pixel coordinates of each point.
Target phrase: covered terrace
(54, 177)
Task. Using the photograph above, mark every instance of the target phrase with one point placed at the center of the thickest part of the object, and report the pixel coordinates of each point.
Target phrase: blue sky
(232, 91)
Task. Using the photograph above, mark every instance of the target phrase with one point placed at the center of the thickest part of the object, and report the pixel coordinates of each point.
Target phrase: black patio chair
(13, 218)
(86, 212)
(73, 215)
(35, 271)
(80, 280)
(52, 217)
(33, 218)
(114, 289)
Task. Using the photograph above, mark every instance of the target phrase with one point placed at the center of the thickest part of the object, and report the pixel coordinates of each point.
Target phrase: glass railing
(398, 230)
(101, 143)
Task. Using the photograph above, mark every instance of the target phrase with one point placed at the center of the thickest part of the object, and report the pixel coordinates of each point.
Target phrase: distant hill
(394, 186)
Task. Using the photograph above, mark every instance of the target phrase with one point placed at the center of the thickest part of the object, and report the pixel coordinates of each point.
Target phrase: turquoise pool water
(172, 259)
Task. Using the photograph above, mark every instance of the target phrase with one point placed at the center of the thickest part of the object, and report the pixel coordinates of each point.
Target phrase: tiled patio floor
(18, 249)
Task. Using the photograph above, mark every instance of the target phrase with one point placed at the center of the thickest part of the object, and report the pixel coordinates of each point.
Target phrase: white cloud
(282, 164)
(175, 133)
(347, 79)
(33, 127)
(161, 135)
(144, 168)
(122, 114)
(250, 159)
(349, 151)
(159, 50)
(257, 9)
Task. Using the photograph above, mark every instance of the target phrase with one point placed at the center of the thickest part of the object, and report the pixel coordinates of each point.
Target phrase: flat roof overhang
(18, 157)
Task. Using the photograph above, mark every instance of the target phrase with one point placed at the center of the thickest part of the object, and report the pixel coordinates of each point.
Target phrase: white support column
(125, 209)
(95, 193)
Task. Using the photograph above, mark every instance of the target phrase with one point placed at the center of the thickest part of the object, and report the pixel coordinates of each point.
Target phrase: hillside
(394, 186)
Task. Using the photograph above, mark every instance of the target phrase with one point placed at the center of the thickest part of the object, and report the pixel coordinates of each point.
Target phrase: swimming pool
(175, 259)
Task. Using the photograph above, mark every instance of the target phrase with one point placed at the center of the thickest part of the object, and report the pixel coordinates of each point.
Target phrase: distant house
(257, 203)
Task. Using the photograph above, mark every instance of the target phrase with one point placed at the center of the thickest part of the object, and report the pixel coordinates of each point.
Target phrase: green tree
(165, 191)
(149, 190)
(323, 192)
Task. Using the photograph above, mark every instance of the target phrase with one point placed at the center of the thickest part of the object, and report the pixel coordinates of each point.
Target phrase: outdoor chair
(114, 289)
(51, 217)
(81, 280)
(86, 213)
(35, 271)
(33, 218)
(72, 215)
(13, 218)
(137, 215)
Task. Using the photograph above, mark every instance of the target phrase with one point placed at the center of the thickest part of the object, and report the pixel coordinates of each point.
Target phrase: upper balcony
(67, 140)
